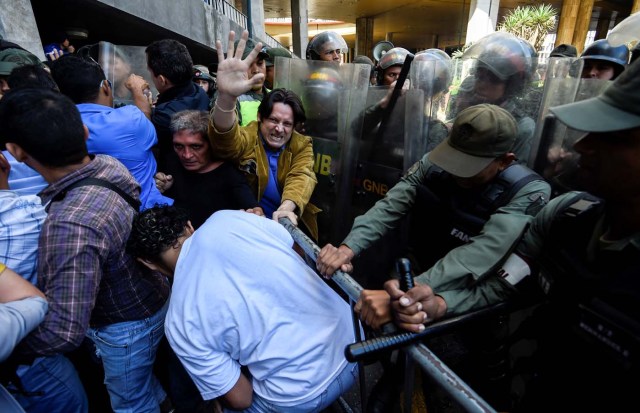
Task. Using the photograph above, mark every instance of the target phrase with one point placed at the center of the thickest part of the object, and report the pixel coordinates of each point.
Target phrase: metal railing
(441, 374)
(236, 16)
(226, 9)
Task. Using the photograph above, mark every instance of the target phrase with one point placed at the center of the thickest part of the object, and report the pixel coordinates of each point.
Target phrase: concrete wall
(18, 25)
(190, 18)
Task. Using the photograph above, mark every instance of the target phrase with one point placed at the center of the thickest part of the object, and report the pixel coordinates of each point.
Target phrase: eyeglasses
(108, 83)
(275, 122)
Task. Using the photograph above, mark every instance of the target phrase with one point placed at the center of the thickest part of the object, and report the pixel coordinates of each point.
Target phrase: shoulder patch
(538, 200)
(412, 169)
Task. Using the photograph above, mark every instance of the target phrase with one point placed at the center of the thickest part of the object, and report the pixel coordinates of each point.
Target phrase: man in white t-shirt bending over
(242, 296)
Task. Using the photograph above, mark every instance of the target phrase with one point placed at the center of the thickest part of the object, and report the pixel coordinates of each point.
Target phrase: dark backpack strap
(135, 204)
(513, 179)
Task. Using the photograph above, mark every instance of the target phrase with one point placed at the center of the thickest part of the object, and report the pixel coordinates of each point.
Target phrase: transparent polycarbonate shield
(518, 92)
(434, 79)
(389, 144)
(555, 159)
(118, 62)
(333, 96)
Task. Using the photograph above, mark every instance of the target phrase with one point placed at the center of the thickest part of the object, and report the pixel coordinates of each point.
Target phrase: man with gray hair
(204, 184)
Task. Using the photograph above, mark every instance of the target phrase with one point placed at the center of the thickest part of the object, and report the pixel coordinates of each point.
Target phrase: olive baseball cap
(13, 57)
(274, 52)
(249, 47)
(617, 108)
(480, 134)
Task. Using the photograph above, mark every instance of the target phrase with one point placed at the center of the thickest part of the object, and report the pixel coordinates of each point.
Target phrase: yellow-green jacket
(242, 145)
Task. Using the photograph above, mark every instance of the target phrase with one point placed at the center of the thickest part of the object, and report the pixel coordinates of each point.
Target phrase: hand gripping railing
(430, 363)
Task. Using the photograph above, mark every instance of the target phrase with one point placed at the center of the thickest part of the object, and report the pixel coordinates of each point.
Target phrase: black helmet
(508, 57)
(201, 72)
(602, 50)
(321, 92)
(323, 42)
(393, 57)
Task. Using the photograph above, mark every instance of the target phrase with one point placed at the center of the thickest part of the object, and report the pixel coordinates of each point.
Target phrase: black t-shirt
(202, 194)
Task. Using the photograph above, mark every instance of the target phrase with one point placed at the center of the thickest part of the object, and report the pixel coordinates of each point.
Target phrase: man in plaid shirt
(93, 287)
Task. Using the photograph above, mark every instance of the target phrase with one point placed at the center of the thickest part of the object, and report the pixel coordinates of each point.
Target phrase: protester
(111, 294)
(277, 160)
(291, 341)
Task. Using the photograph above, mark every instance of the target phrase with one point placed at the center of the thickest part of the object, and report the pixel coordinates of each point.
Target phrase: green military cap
(13, 57)
(274, 52)
(249, 47)
(617, 108)
(479, 135)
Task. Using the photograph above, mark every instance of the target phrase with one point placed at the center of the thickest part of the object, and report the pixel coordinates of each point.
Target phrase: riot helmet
(321, 92)
(362, 59)
(503, 57)
(435, 76)
(393, 57)
(200, 75)
(323, 45)
(617, 56)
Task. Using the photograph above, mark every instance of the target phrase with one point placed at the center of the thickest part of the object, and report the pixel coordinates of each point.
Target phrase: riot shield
(118, 62)
(432, 75)
(333, 95)
(388, 145)
(500, 69)
(554, 157)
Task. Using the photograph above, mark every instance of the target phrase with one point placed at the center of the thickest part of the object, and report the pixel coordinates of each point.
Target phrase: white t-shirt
(242, 296)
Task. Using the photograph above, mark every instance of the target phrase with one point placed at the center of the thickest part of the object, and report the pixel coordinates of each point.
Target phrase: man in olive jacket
(277, 161)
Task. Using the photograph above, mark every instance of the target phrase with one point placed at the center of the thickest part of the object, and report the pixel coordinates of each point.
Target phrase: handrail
(466, 397)
(226, 9)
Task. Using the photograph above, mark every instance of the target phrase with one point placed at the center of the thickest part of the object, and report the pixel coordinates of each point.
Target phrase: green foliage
(458, 53)
(531, 23)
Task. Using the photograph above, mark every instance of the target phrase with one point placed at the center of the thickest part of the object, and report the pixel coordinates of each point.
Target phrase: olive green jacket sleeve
(462, 267)
(493, 288)
(388, 212)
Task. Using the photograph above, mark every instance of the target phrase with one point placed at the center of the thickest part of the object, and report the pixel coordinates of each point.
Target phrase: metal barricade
(442, 375)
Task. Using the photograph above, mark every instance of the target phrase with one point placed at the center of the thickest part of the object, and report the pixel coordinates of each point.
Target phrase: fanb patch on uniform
(412, 169)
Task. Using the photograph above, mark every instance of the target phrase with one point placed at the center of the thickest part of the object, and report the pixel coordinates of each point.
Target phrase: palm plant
(531, 23)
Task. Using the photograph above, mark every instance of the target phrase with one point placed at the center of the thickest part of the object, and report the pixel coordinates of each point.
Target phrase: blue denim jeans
(53, 386)
(341, 384)
(128, 350)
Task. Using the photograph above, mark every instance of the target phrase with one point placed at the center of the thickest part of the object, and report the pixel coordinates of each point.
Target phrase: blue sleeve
(17, 319)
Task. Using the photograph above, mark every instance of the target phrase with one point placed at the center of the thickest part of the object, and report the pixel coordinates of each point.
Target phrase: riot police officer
(603, 61)
(503, 67)
(433, 77)
(203, 78)
(390, 65)
(328, 46)
(585, 245)
(469, 203)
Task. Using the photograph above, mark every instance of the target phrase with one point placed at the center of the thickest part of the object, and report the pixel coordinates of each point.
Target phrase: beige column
(300, 27)
(364, 36)
(582, 24)
(483, 17)
(635, 7)
(567, 24)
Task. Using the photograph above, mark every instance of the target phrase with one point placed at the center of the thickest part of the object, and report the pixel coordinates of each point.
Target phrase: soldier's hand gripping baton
(429, 362)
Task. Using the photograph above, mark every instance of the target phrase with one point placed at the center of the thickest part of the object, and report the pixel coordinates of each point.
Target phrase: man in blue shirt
(125, 133)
